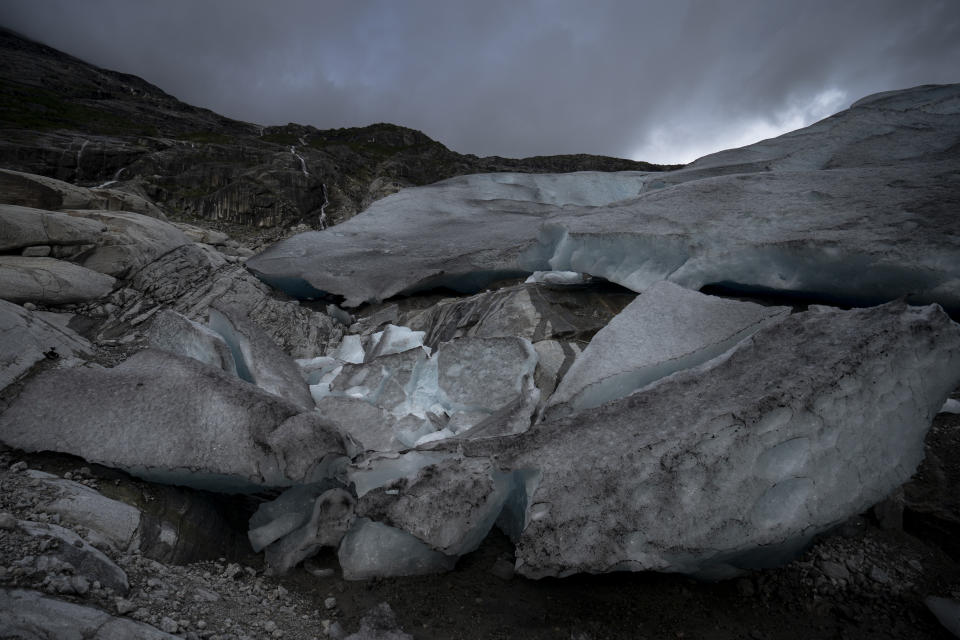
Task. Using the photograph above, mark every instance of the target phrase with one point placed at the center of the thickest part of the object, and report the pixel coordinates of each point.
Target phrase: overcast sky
(664, 81)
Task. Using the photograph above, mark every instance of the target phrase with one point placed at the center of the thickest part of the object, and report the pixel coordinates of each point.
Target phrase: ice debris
(403, 399)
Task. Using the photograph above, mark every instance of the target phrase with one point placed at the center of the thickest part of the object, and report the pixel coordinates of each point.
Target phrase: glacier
(855, 209)
(733, 464)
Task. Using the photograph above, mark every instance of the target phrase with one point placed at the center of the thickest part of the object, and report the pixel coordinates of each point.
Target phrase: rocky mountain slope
(63, 118)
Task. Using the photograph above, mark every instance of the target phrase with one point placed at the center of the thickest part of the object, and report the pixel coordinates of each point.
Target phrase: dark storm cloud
(662, 81)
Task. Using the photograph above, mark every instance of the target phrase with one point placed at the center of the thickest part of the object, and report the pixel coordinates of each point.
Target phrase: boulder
(173, 419)
(30, 614)
(87, 561)
(25, 227)
(49, 281)
(111, 522)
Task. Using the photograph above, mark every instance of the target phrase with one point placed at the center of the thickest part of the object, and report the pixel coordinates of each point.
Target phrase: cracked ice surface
(733, 464)
(258, 359)
(744, 459)
(408, 398)
(664, 330)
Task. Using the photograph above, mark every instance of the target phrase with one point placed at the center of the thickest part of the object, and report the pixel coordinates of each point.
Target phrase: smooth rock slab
(87, 561)
(34, 616)
(24, 227)
(110, 521)
(172, 419)
(666, 329)
(130, 241)
(26, 338)
(49, 281)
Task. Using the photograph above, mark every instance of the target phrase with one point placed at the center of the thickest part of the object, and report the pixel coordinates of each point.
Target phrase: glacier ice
(666, 329)
(374, 550)
(952, 405)
(379, 470)
(558, 278)
(351, 350)
(813, 418)
(403, 399)
(524, 311)
(735, 463)
(258, 359)
(288, 511)
(450, 505)
(178, 334)
(316, 369)
(330, 515)
(395, 339)
(175, 420)
(835, 211)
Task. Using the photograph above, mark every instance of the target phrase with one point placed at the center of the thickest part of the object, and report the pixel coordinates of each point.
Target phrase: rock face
(174, 419)
(68, 120)
(26, 338)
(851, 209)
(43, 192)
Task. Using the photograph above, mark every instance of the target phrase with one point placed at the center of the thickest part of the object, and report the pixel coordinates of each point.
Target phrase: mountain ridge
(68, 119)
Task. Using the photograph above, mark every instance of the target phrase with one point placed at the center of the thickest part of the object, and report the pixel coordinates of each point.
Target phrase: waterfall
(303, 163)
(116, 179)
(80, 154)
(323, 206)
